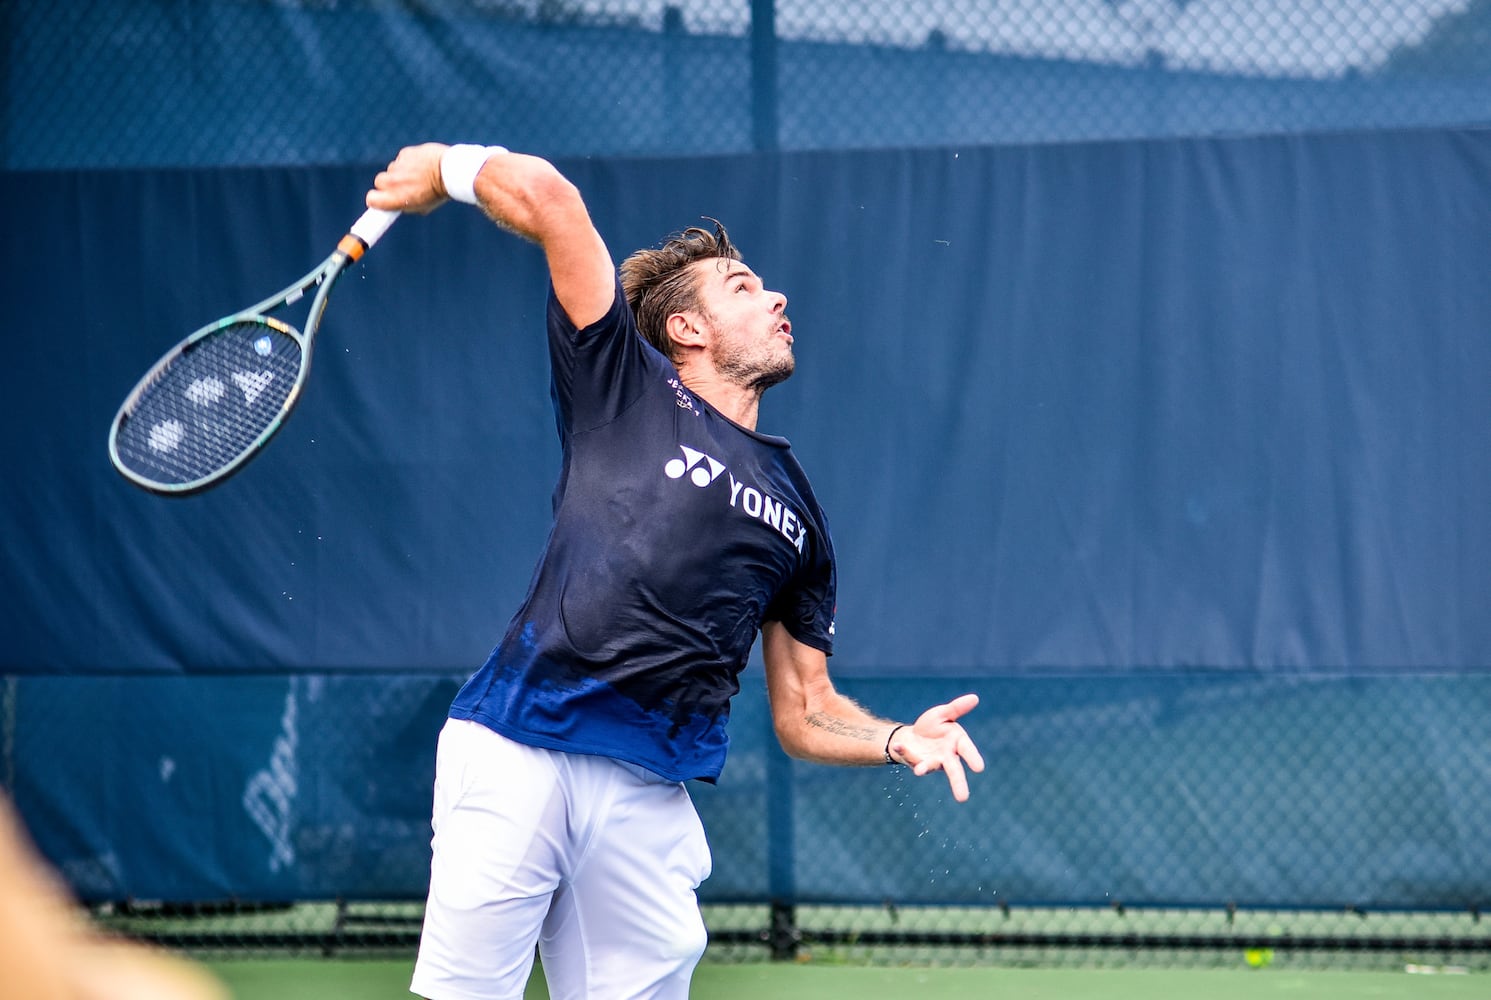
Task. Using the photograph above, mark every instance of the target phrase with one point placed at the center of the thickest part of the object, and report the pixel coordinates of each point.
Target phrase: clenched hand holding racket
(217, 397)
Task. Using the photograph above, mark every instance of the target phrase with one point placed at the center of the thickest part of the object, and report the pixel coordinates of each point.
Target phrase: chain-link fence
(107, 83)
(1172, 821)
(1078, 849)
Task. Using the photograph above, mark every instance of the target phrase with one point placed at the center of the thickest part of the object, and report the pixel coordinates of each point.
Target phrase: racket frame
(349, 250)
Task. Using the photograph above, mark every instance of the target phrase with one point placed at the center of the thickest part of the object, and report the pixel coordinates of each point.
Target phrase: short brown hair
(658, 283)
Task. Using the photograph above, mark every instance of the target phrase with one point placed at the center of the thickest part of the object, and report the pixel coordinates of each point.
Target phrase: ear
(685, 330)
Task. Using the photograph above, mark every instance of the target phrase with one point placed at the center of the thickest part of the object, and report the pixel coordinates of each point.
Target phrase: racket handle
(373, 224)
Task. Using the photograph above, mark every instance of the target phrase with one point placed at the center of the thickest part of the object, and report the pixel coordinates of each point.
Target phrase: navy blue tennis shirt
(677, 533)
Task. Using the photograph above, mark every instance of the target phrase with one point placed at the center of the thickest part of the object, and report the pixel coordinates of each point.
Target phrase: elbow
(551, 201)
(532, 198)
(791, 744)
(548, 187)
(790, 735)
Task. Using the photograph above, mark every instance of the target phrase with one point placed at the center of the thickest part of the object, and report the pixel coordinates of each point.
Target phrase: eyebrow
(742, 272)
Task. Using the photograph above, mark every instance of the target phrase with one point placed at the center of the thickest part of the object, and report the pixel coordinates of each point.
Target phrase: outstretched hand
(936, 741)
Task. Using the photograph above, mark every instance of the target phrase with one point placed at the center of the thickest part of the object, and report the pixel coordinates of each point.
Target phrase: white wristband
(459, 166)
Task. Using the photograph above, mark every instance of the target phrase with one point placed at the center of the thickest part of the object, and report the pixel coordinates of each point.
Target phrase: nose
(779, 302)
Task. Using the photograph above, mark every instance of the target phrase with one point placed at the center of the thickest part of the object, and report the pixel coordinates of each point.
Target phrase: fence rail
(1112, 935)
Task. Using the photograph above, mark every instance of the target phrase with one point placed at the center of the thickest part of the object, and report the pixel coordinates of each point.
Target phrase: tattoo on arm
(842, 727)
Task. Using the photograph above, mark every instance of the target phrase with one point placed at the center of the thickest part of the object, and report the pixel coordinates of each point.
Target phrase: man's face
(751, 337)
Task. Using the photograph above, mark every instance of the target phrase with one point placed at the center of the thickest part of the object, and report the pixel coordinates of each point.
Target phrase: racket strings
(212, 403)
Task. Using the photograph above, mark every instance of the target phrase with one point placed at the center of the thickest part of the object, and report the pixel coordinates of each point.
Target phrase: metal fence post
(782, 936)
(764, 136)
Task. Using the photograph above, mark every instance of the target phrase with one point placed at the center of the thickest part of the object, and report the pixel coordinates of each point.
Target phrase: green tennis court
(314, 979)
(367, 952)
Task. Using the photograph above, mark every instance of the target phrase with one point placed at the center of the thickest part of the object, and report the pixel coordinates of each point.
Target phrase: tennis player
(680, 532)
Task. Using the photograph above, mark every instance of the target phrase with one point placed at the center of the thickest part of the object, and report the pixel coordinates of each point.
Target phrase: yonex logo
(252, 384)
(769, 511)
(702, 469)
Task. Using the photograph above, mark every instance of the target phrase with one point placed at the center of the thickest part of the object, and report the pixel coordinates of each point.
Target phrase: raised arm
(814, 722)
(524, 194)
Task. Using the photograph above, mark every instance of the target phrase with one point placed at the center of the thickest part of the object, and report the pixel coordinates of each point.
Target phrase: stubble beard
(757, 370)
(757, 373)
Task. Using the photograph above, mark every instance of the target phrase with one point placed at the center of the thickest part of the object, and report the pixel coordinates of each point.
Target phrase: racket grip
(373, 224)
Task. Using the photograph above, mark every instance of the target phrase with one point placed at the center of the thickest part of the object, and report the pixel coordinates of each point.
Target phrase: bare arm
(814, 722)
(528, 196)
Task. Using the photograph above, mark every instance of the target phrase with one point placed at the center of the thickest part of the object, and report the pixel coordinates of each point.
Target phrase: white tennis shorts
(593, 860)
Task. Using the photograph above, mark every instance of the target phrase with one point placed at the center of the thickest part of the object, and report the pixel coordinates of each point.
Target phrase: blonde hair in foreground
(49, 950)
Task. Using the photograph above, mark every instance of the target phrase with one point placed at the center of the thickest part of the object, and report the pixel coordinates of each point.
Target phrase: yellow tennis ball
(1259, 958)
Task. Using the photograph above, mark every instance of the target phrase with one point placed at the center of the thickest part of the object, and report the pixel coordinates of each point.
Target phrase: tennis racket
(215, 399)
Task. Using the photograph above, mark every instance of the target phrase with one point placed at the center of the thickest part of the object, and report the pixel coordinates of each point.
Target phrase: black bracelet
(888, 758)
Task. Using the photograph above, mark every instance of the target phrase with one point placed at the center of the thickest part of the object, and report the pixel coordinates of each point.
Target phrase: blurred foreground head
(49, 950)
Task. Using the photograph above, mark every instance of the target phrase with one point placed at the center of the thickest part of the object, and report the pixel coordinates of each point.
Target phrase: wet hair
(659, 282)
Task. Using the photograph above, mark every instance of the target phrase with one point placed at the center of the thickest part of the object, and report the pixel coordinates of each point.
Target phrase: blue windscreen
(1146, 441)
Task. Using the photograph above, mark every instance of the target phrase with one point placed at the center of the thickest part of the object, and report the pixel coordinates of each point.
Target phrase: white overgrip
(373, 224)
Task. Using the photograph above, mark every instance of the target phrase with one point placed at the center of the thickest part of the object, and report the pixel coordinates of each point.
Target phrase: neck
(740, 403)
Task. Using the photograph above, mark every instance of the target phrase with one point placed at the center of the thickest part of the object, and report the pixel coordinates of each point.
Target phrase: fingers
(940, 715)
(961, 706)
(952, 766)
(950, 757)
(380, 198)
(411, 183)
(943, 744)
(956, 779)
(969, 752)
